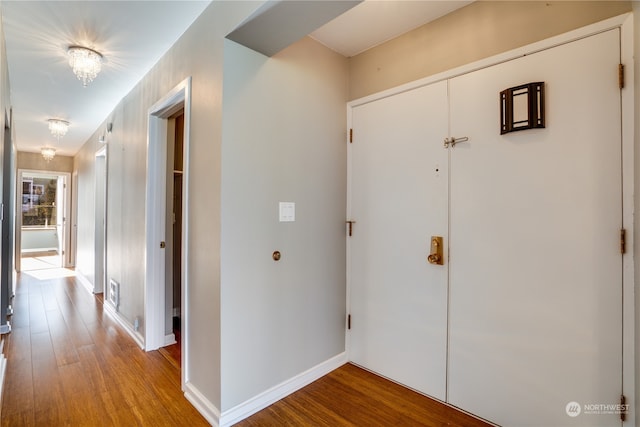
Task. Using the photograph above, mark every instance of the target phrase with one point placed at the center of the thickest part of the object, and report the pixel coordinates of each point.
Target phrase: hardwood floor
(69, 364)
(351, 396)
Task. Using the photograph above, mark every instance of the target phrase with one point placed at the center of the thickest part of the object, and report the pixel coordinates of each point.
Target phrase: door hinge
(348, 321)
(623, 241)
(623, 408)
(350, 228)
(621, 76)
(351, 135)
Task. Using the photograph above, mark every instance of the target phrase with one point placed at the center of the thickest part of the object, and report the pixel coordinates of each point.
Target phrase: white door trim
(73, 252)
(625, 23)
(178, 98)
(101, 228)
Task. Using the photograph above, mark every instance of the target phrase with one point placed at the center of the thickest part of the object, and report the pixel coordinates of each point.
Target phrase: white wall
(84, 165)
(34, 239)
(479, 30)
(199, 54)
(284, 139)
(35, 161)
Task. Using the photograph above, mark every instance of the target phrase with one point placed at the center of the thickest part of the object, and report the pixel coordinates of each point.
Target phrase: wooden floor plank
(50, 405)
(95, 369)
(19, 376)
(117, 413)
(49, 296)
(51, 416)
(37, 316)
(22, 419)
(63, 346)
(20, 317)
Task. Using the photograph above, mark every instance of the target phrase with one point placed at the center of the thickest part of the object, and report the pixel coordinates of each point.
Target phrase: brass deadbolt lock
(436, 256)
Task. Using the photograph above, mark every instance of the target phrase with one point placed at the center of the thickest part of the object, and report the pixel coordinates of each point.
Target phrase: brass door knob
(436, 256)
(434, 259)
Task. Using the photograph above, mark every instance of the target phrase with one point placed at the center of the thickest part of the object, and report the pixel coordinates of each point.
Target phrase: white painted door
(535, 274)
(535, 268)
(398, 198)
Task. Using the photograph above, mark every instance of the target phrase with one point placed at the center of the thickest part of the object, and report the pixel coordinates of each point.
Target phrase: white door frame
(66, 229)
(100, 230)
(625, 23)
(74, 219)
(176, 99)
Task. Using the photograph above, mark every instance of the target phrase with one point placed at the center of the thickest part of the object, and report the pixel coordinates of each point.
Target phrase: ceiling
(373, 22)
(133, 36)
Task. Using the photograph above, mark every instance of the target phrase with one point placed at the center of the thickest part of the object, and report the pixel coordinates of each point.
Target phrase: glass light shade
(58, 128)
(86, 63)
(48, 153)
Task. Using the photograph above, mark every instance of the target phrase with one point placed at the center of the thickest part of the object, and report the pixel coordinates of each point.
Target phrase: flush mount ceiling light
(48, 153)
(86, 63)
(58, 127)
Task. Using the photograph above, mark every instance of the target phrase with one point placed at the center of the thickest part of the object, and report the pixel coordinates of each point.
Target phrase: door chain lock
(453, 141)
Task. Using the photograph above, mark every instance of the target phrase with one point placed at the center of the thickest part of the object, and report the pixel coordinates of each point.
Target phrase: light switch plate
(287, 211)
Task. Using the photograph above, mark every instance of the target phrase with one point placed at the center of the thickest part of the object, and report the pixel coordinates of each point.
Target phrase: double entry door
(524, 316)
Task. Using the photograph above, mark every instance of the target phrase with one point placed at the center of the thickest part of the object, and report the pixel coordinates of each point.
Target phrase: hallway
(71, 364)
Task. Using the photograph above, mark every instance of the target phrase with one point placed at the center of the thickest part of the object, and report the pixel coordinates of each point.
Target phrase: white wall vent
(114, 293)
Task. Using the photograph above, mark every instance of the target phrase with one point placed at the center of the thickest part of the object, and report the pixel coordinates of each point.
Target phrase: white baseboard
(84, 282)
(169, 339)
(207, 409)
(280, 391)
(108, 308)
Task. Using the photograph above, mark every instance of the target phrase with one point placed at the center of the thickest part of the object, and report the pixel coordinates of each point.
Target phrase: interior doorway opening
(43, 240)
(167, 225)
(173, 242)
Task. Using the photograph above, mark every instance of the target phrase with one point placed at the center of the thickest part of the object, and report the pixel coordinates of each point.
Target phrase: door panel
(399, 200)
(536, 272)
